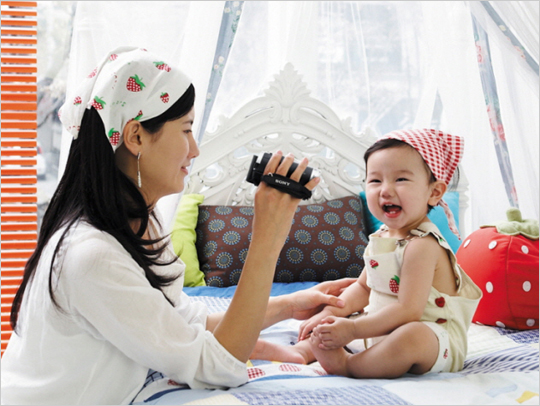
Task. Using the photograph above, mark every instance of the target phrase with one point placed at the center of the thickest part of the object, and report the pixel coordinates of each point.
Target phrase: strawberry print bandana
(129, 84)
(441, 152)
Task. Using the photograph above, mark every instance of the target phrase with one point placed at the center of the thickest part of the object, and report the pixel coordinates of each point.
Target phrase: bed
(211, 234)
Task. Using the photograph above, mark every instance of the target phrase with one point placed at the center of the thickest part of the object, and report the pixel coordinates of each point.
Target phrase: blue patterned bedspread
(502, 367)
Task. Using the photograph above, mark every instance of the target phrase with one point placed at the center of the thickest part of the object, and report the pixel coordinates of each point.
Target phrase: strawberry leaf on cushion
(516, 225)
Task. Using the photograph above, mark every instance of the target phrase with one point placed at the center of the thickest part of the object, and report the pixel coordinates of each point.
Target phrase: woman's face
(165, 161)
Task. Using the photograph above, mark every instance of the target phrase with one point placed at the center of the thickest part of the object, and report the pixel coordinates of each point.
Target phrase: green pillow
(183, 238)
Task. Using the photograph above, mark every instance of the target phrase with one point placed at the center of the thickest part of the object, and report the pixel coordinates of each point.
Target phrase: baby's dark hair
(393, 143)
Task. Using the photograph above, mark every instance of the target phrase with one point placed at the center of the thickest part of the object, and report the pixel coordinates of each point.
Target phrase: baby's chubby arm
(355, 297)
(419, 263)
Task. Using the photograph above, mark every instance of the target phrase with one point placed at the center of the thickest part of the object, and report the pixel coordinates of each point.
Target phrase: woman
(101, 300)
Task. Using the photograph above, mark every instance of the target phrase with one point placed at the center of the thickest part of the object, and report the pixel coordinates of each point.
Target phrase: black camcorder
(282, 183)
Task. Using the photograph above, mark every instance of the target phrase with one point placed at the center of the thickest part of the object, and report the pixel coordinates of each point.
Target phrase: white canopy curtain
(522, 18)
(454, 72)
(518, 87)
(184, 32)
(391, 65)
(386, 65)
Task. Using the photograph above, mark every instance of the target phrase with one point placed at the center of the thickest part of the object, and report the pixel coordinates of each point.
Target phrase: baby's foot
(274, 352)
(333, 361)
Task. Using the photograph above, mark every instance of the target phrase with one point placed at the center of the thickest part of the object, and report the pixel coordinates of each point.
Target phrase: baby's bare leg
(413, 348)
(299, 353)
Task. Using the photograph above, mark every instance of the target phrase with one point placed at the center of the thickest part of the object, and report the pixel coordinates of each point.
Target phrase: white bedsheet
(501, 369)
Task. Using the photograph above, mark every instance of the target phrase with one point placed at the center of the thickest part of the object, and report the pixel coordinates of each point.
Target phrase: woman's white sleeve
(110, 297)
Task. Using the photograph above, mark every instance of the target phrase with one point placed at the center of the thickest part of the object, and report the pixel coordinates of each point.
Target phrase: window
(19, 148)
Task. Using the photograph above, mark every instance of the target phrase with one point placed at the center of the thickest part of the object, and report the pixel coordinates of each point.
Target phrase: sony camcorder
(282, 183)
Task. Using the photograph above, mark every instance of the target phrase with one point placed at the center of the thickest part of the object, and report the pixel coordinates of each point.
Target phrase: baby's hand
(334, 332)
(307, 326)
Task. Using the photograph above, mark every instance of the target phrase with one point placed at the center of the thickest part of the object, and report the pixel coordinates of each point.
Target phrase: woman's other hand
(307, 303)
(240, 326)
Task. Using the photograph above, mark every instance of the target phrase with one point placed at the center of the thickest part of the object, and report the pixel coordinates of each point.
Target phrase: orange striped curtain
(19, 147)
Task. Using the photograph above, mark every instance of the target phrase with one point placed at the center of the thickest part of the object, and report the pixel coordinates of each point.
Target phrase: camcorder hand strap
(286, 185)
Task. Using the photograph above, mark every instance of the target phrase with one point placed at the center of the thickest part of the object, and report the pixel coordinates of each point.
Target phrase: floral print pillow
(326, 242)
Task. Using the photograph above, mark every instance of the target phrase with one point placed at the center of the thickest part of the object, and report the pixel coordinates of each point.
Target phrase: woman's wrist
(285, 305)
(279, 309)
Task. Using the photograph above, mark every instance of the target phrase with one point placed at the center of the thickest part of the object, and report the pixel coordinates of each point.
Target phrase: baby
(415, 303)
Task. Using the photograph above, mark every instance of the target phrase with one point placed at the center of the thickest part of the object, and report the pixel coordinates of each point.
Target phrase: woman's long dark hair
(93, 189)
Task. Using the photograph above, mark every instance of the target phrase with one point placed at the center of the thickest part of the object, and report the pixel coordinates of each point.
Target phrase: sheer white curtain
(386, 65)
(270, 34)
(361, 58)
(390, 65)
(454, 72)
(382, 64)
(518, 87)
(522, 18)
(184, 32)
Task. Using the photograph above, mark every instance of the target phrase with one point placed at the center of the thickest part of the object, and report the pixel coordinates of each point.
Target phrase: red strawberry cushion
(503, 261)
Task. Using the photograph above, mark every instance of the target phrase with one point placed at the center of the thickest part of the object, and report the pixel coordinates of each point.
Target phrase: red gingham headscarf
(441, 152)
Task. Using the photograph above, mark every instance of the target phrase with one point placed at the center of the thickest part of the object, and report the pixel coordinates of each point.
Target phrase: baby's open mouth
(391, 208)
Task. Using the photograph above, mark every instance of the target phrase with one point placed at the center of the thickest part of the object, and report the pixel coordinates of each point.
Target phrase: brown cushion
(326, 241)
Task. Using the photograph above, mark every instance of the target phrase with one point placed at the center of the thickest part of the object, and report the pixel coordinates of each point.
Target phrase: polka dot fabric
(326, 242)
(505, 267)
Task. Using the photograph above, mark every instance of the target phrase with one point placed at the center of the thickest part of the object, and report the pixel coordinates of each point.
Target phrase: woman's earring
(138, 170)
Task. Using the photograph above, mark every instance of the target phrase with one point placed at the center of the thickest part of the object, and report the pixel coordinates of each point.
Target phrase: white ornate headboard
(285, 118)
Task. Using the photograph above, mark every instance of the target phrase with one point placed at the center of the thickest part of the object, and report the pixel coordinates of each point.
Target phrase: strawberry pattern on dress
(394, 284)
(440, 302)
(452, 314)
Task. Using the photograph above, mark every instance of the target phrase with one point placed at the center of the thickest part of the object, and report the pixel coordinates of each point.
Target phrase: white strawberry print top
(114, 327)
(384, 258)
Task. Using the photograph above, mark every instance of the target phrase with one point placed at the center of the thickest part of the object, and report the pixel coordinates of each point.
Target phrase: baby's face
(398, 188)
